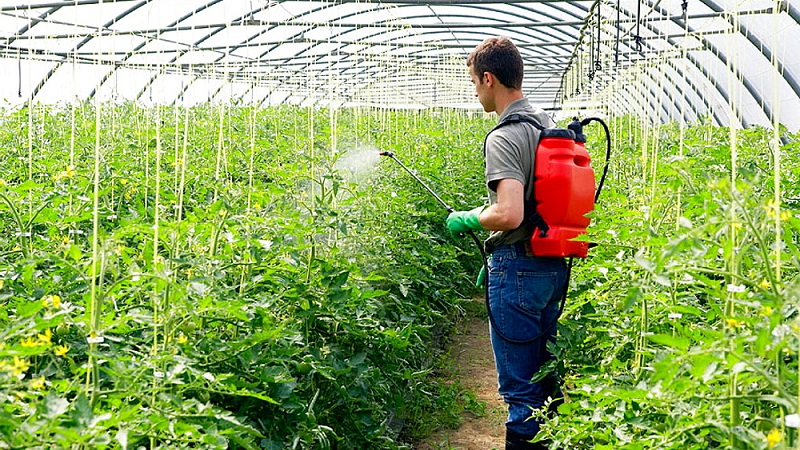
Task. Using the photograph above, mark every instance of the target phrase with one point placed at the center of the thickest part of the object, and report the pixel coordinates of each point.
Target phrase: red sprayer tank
(564, 189)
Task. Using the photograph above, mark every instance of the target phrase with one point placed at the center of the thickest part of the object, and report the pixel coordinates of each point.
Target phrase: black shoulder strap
(512, 118)
(517, 118)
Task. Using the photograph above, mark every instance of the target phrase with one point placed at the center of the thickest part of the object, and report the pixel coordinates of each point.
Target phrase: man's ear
(487, 78)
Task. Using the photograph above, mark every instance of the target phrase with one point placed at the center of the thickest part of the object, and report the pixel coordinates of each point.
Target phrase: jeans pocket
(535, 290)
(518, 301)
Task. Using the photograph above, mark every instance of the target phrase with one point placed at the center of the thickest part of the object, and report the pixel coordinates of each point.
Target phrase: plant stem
(184, 164)
(94, 297)
(20, 224)
(220, 140)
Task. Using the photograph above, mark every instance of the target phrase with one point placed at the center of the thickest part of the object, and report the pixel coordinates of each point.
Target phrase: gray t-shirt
(510, 152)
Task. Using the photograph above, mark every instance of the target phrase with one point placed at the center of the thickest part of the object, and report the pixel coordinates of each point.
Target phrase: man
(524, 291)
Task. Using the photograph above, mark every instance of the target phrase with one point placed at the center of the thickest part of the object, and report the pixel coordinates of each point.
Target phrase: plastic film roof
(728, 61)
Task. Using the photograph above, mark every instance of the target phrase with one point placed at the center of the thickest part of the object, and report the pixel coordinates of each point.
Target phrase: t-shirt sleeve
(503, 160)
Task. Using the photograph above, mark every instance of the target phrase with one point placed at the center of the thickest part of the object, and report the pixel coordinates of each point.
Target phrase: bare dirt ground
(473, 366)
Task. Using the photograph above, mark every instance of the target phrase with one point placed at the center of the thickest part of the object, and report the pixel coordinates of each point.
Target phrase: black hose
(585, 122)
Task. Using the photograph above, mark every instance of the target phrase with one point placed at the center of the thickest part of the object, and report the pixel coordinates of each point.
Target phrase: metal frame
(762, 48)
(552, 35)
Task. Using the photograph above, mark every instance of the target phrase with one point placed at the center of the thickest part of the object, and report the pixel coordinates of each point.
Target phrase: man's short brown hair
(501, 57)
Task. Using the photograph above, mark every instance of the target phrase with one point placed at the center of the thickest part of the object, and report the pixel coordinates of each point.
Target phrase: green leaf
(28, 185)
(74, 252)
(678, 342)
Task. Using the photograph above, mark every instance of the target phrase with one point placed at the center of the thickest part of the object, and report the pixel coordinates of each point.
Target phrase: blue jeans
(524, 297)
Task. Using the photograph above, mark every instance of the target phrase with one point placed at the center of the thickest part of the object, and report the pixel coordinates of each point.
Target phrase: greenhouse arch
(299, 225)
(262, 45)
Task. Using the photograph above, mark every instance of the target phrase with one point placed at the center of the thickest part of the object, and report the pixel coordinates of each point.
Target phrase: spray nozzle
(386, 153)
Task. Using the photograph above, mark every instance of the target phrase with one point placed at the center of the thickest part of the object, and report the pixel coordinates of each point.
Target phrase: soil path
(473, 366)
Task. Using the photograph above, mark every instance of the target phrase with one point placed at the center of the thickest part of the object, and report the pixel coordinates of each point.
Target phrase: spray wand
(446, 206)
(391, 155)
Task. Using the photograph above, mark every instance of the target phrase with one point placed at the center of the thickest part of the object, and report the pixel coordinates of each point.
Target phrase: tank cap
(577, 127)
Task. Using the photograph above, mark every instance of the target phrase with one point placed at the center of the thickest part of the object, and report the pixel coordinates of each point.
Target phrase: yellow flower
(766, 312)
(45, 338)
(29, 342)
(2, 283)
(773, 437)
(123, 181)
(20, 366)
(61, 350)
(37, 383)
(786, 215)
(732, 323)
(51, 300)
(765, 284)
(182, 339)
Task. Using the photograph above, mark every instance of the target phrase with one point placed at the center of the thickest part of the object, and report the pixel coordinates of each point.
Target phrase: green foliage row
(682, 329)
(209, 278)
(248, 290)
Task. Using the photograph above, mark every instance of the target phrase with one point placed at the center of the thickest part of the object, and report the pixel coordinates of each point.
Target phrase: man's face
(482, 90)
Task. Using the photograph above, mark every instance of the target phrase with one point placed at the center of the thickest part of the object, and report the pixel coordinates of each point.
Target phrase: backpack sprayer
(564, 192)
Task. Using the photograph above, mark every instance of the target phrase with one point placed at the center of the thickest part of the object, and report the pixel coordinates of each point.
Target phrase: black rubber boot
(515, 441)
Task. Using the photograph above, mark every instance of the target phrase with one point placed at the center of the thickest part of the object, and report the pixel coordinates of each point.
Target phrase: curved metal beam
(765, 51)
(386, 32)
(691, 86)
(692, 59)
(468, 46)
(83, 42)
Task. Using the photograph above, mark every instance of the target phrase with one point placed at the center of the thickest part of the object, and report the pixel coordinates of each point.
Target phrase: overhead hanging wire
(591, 57)
(19, 65)
(637, 38)
(19, 72)
(597, 65)
(616, 45)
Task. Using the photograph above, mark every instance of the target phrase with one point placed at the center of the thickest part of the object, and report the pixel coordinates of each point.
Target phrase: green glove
(459, 222)
(481, 277)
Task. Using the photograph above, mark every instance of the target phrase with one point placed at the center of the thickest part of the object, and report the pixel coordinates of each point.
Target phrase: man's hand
(459, 222)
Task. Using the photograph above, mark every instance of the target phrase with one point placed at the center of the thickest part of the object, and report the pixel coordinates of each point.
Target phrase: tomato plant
(209, 277)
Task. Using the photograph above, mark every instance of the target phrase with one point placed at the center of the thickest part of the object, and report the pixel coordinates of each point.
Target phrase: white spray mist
(358, 164)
